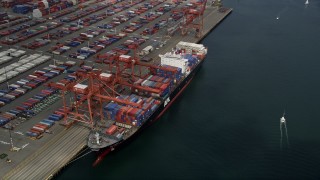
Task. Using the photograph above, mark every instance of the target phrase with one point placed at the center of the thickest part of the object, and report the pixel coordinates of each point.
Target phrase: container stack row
(121, 18)
(123, 49)
(28, 33)
(176, 15)
(151, 16)
(61, 32)
(36, 43)
(40, 128)
(72, 76)
(79, 14)
(21, 66)
(31, 81)
(7, 55)
(43, 126)
(25, 109)
(62, 13)
(42, 8)
(61, 48)
(21, 27)
(12, 21)
(31, 102)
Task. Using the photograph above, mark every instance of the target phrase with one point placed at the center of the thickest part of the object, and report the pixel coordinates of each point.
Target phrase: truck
(146, 50)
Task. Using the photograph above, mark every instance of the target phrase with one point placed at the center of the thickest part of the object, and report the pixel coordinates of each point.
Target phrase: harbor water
(263, 59)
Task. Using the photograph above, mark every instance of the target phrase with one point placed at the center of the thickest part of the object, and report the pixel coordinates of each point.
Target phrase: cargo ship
(123, 121)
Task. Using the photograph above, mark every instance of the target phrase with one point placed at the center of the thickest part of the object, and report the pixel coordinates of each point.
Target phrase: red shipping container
(111, 130)
(42, 126)
(35, 131)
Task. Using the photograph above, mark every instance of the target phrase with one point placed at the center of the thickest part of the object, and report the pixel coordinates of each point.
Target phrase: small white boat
(307, 2)
(282, 120)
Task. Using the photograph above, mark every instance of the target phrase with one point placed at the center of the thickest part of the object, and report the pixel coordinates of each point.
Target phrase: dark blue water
(226, 124)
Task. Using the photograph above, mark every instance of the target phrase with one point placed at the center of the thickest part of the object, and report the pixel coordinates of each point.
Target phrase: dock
(45, 157)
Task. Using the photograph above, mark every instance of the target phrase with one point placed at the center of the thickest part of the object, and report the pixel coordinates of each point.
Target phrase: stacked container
(134, 116)
(172, 72)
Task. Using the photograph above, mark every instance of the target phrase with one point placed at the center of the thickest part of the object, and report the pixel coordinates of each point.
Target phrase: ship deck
(43, 158)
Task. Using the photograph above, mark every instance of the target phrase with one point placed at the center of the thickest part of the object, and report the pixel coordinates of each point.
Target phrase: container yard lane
(42, 158)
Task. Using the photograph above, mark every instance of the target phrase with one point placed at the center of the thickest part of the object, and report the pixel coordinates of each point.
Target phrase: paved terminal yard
(42, 158)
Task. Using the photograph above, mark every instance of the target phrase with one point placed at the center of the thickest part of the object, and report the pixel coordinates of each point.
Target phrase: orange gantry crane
(193, 17)
(84, 98)
(88, 97)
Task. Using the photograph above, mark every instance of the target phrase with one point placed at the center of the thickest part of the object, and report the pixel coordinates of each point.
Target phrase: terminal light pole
(11, 142)
(5, 71)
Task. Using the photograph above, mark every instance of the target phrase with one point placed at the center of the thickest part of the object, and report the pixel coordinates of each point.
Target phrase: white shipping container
(9, 68)
(6, 58)
(175, 60)
(14, 73)
(21, 90)
(15, 86)
(12, 50)
(26, 66)
(3, 53)
(21, 82)
(52, 66)
(2, 71)
(189, 47)
(65, 47)
(81, 86)
(23, 61)
(36, 55)
(30, 64)
(107, 75)
(2, 79)
(16, 64)
(20, 69)
(36, 62)
(45, 57)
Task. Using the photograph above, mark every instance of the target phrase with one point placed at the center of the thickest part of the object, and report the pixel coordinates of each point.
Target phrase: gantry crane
(87, 105)
(193, 18)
